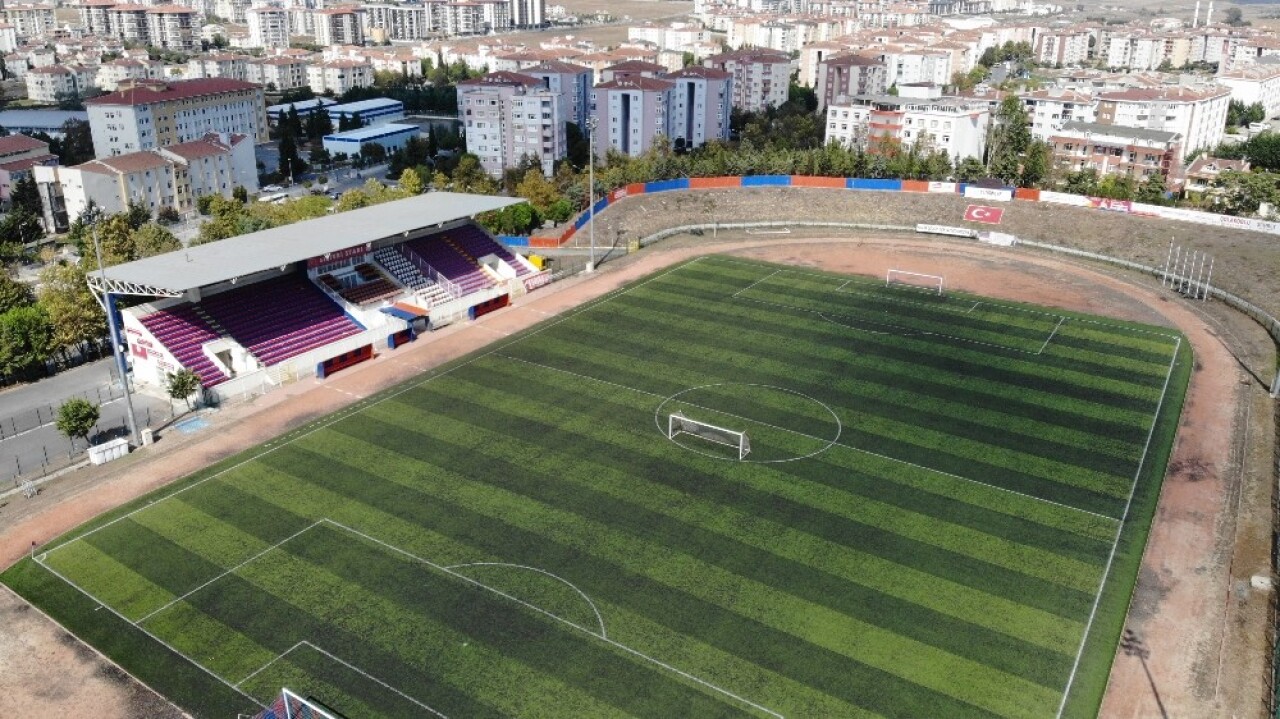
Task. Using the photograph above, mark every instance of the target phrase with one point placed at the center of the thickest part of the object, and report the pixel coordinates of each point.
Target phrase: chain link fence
(35, 458)
(32, 419)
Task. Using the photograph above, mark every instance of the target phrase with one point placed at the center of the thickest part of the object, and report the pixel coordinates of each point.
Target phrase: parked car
(272, 188)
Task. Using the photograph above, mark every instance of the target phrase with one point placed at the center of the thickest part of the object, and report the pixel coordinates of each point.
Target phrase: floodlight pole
(109, 305)
(591, 182)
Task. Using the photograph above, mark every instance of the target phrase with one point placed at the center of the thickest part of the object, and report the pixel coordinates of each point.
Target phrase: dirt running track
(1185, 589)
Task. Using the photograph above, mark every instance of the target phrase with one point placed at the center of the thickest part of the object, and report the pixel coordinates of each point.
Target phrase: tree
(1151, 190)
(115, 237)
(25, 340)
(1036, 164)
(14, 294)
(970, 169)
(291, 164)
(26, 196)
(182, 384)
(1234, 18)
(411, 182)
(19, 228)
(137, 215)
(240, 194)
(152, 239)
(76, 317)
(76, 418)
(76, 144)
(1010, 137)
(1245, 192)
(539, 191)
(1083, 182)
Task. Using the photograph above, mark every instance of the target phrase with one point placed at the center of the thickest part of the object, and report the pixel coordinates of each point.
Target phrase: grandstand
(313, 297)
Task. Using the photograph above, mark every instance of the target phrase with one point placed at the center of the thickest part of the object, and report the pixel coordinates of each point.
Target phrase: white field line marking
(332, 419)
(483, 326)
(753, 284)
(369, 676)
(610, 642)
(558, 578)
(264, 667)
(1102, 583)
(1051, 335)
(820, 439)
(1013, 308)
(971, 309)
(273, 547)
(41, 561)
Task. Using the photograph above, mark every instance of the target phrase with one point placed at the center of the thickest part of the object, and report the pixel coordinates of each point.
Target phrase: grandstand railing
(432, 274)
(293, 369)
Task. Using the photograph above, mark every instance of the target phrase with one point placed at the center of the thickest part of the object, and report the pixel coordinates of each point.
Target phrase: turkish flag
(984, 214)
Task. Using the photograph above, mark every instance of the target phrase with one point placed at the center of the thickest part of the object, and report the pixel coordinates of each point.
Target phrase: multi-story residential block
(112, 73)
(676, 36)
(631, 69)
(957, 126)
(56, 82)
(172, 177)
(1197, 114)
(1063, 46)
(528, 13)
(8, 38)
(398, 21)
(631, 113)
(1052, 108)
(571, 82)
(1114, 150)
(234, 67)
(173, 27)
(18, 155)
(848, 76)
(1249, 51)
(761, 78)
(144, 115)
(510, 116)
(268, 26)
(285, 72)
(701, 102)
(339, 76)
(1254, 84)
(29, 20)
(339, 26)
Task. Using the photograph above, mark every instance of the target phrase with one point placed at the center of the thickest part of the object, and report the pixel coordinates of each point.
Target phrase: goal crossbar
(903, 275)
(678, 424)
(296, 706)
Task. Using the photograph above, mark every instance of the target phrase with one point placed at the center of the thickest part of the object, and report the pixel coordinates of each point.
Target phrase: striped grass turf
(960, 470)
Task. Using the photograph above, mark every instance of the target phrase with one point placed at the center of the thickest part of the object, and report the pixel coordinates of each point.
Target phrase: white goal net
(678, 424)
(291, 705)
(915, 280)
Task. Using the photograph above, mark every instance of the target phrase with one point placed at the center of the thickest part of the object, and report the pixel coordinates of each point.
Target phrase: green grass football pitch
(942, 514)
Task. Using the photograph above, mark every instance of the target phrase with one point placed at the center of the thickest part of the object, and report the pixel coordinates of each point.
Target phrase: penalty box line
(837, 443)
(343, 662)
(903, 331)
(1102, 322)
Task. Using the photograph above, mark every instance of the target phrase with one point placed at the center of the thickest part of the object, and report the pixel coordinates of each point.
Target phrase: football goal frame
(915, 280)
(292, 705)
(678, 424)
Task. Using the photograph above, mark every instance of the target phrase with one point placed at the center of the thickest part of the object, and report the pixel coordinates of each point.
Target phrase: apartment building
(29, 20)
(572, 83)
(509, 116)
(1114, 150)
(631, 113)
(1197, 114)
(18, 155)
(173, 27)
(1254, 84)
(761, 78)
(173, 177)
(268, 26)
(955, 125)
(145, 115)
(339, 76)
(50, 84)
(233, 67)
(285, 72)
(1052, 108)
(1064, 47)
(339, 26)
(700, 104)
(110, 74)
(848, 76)
(675, 36)
(399, 21)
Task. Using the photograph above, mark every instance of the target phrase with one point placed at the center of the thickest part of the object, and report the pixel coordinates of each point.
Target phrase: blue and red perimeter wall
(919, 186)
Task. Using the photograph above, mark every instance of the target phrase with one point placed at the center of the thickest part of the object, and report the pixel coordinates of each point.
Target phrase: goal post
(291, 705)
(678, 424)
(915, 280)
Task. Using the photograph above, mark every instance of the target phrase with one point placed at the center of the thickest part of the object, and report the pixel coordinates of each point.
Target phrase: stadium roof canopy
(173, 273)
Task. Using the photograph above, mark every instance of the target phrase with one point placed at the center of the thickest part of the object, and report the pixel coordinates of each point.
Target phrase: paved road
(26, 447)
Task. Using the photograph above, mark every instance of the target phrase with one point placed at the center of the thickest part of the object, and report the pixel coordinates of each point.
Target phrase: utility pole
(591, 189)
(109, 305)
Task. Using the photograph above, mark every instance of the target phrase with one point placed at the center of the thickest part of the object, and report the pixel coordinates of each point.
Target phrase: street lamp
(91, 217)
(591, 183)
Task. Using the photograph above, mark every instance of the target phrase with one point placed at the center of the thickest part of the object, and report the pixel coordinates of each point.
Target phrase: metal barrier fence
(37, 458)
(33, 419)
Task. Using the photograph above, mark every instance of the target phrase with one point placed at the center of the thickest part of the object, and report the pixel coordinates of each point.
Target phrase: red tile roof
(502, 77)
(637, 83)
(709, 73)
(148, 92)
(28, 163)
(13, 144)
